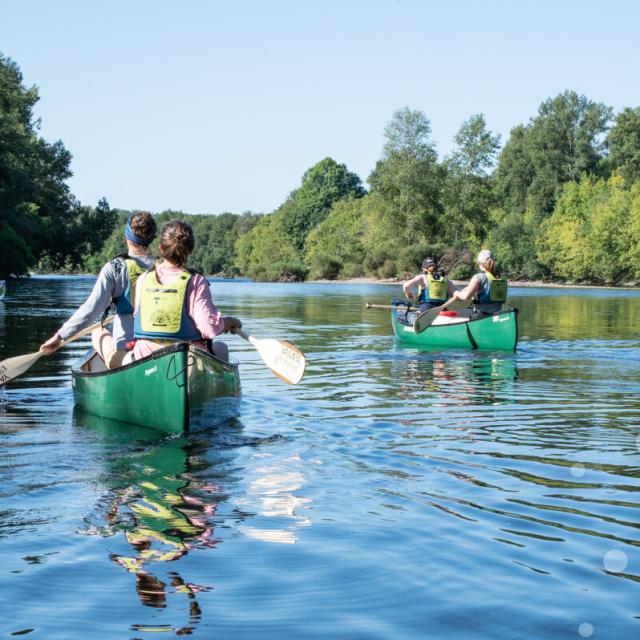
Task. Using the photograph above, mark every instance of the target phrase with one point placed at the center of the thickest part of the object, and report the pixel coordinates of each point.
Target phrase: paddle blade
(13, 367)
(284, 359)
(425, 320)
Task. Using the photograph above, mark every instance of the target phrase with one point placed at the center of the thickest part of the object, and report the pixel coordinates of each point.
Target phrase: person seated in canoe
(434, 289)
(114, 287)
(487, 289)
(173, 303)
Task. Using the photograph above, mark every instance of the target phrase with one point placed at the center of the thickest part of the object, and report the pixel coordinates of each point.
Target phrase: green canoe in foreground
(171, 390)
(496, 332)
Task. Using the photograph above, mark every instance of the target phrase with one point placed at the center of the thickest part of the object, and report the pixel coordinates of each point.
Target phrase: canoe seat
(93, 364)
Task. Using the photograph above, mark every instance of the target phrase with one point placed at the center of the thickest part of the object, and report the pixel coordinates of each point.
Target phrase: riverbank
(460, 283)
(633, 286)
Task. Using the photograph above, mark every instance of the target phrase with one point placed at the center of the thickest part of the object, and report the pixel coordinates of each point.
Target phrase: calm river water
(392, 494)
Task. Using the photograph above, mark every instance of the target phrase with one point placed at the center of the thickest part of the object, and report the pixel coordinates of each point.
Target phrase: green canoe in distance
(496, 332)
(172, 390)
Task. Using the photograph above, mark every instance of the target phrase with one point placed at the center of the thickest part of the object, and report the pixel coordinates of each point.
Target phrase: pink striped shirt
(200, 308)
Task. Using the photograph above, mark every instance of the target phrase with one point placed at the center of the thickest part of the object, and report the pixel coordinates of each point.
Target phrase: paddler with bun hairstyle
(487, 289)
(173, 303)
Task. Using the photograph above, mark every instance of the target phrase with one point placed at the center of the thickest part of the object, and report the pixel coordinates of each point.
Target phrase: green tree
(564, 141)
(409, 180)
(623, 142)
(267, 253)
(322, 185)
(409, 133)
(593, 233)
(335, 248)
(35, 202)
(468, 193)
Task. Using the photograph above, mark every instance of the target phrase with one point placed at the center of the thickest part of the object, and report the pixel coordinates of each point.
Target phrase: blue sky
(222, 106)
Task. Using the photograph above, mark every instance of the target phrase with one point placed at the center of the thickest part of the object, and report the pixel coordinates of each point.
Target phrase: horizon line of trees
(560, 200)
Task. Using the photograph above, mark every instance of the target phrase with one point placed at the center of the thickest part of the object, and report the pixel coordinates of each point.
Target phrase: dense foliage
(216, 238)
(39, 218)
(560, 200)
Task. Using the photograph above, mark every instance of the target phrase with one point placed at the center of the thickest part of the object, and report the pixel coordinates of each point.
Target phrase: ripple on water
(394, 493)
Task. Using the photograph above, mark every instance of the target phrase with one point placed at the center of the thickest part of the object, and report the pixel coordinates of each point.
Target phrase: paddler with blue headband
(115, 288)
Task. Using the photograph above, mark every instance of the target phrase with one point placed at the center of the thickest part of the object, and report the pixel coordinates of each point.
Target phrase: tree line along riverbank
(557, 201)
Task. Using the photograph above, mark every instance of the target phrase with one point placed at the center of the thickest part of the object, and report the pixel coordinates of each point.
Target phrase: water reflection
(450, 380)
(154, 503)
(162, 496)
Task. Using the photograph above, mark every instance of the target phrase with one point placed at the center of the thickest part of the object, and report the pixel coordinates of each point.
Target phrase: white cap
(484, 255)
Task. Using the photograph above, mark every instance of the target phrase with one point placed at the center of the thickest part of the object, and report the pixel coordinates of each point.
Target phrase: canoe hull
(496, 332)
(171, 390)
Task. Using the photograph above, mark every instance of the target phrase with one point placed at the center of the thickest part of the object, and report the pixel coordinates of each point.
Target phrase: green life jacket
(162, 310)
(124, 304)
(436, 290)
(496, 290)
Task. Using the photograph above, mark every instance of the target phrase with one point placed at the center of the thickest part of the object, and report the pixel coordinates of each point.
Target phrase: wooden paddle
(425, 320)
(13, 367)
(285, 360)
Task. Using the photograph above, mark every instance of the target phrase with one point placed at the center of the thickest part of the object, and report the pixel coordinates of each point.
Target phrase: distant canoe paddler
(487, 288)
(434, 289)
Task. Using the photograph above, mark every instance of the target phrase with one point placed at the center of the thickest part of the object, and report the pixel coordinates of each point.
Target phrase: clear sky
(212, 106)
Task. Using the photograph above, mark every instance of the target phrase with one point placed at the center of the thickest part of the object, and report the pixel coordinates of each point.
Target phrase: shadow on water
(158, 507)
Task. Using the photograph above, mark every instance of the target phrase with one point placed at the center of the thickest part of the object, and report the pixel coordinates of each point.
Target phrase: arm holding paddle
(98, 300)
(415, 281)
(14, 367)
(469, 291)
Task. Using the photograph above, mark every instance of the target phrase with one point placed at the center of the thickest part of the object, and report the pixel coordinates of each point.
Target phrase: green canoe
(171, 390)
(495, 332)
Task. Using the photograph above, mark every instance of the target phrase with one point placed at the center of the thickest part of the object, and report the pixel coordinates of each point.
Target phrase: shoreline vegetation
(558, 202)
(526, 284)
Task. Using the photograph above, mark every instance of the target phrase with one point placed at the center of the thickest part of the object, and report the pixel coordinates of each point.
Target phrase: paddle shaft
(16, 366)
(87, 330)
(242, 334)
(390, 306)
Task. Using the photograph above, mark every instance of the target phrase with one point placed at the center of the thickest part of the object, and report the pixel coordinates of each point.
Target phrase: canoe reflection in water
(163, 510)
(465, 380)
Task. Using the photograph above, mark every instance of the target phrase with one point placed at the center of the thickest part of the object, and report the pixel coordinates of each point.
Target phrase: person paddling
(114, 287)
(174, 304)
(487, 288)
(434, 289)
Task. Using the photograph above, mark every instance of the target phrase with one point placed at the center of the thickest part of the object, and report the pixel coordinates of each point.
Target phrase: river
(393, 494)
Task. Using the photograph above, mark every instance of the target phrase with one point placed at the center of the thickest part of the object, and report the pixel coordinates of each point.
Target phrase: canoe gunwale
(430, 328)
(441, 336)
(179, 381)
(179, 347)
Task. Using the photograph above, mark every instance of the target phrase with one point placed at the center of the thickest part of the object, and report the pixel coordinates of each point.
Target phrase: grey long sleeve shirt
(111, 283)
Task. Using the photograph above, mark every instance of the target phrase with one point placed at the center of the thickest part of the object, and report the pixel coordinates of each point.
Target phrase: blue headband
(130, 235)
